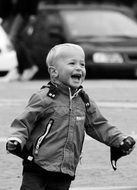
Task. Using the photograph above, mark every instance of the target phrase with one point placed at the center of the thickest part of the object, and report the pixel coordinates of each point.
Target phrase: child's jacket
(53, 125)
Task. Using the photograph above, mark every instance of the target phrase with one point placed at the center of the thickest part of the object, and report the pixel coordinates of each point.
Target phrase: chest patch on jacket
(79, 118)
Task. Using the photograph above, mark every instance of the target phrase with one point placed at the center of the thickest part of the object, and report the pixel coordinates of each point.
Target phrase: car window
(99, 23)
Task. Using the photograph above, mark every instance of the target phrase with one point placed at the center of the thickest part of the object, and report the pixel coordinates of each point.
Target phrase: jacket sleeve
(98, 127)
(22, 126)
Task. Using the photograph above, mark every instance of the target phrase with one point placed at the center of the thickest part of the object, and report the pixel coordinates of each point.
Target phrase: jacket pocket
(42, 137)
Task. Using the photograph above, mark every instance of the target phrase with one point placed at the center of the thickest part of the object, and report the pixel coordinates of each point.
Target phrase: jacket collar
(55, 88)
(65, 89)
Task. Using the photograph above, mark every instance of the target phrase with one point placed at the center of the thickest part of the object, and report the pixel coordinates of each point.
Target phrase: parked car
(8, 58)
(107, 33)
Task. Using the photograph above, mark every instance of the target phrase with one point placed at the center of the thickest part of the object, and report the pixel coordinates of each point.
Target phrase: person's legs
(45, 181)
(24, 56)
(32, 181)
(58, 186)
(37, 178)
(26, 66)
(58, 181)
(29, 73)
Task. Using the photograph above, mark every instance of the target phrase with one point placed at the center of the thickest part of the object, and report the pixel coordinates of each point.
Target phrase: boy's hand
(127, 145)
(13, 147)
(124, 149)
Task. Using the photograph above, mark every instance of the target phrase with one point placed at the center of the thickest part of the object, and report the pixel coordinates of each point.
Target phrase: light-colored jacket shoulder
(40, 97)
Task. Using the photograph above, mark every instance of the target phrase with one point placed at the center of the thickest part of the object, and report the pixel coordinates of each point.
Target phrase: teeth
(77, 77)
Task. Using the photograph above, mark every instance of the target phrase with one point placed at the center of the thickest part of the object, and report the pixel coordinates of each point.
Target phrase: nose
(78, 67)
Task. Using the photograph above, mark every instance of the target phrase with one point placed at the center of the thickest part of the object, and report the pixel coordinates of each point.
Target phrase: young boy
(49, 134)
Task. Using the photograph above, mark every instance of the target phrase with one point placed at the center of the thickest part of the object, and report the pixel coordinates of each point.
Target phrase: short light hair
(58, 50)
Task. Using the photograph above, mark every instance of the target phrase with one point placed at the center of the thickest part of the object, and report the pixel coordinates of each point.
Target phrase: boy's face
(70, 67)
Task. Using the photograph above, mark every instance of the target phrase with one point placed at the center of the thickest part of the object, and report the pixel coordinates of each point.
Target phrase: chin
(74, 86)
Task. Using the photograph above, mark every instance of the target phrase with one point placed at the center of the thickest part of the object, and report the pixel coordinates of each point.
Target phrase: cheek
(64, 72)
(63, 76)
(84, 72)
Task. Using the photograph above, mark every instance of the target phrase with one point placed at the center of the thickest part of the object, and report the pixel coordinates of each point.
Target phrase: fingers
(127, 145)
(12, 145)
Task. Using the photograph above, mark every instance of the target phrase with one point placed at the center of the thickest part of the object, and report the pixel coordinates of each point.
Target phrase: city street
(117, 100)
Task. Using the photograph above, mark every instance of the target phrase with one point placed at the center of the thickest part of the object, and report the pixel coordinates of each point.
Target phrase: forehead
(71, 52)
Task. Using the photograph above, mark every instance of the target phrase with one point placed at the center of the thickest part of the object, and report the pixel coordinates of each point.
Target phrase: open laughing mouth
(76, 77)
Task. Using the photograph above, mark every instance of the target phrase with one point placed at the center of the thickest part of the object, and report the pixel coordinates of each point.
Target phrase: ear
(53, 71)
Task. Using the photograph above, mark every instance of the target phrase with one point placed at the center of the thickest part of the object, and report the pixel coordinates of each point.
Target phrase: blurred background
(106, 29)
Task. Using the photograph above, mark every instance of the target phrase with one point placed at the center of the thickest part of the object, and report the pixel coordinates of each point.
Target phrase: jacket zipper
(41, 138)
(70, 109)
(72, 96)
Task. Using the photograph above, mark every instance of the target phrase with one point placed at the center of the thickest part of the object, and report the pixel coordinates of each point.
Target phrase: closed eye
(82, 64)
(71, 63)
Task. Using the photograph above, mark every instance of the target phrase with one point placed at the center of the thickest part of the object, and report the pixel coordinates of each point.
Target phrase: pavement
(105, 188)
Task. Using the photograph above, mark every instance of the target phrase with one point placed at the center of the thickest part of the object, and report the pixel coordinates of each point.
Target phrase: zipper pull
(80, 159)
(36, 149)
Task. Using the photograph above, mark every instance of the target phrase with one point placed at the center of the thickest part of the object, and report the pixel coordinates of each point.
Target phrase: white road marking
(130, 105)
(12, 102)
(108, 84)
(107, 104)
(105, 188)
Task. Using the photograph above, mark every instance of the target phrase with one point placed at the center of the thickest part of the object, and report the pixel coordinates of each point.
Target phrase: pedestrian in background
(49, 134)
(20, 13)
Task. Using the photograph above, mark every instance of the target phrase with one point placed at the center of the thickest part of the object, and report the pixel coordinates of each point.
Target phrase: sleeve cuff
(15, 139)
